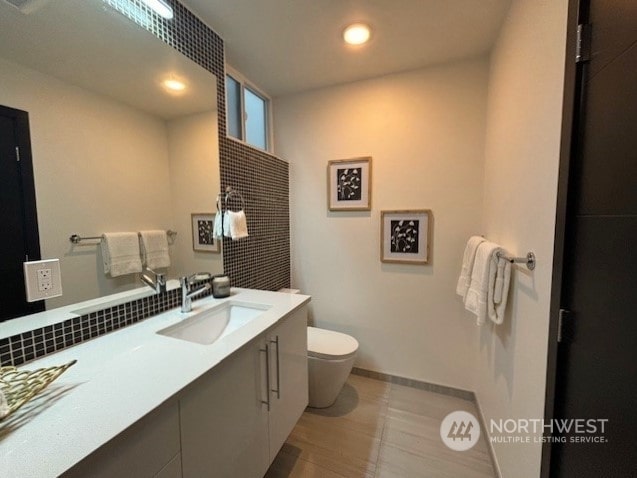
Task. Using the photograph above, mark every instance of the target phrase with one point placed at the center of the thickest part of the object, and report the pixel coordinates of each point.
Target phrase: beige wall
(194, 182)
(520, 187)
(425, 132)
(99, 166)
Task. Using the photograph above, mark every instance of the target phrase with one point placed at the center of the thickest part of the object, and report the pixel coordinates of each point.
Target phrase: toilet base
(326, 379)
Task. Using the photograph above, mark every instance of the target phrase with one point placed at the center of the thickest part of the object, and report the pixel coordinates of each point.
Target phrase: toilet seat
(330, 345)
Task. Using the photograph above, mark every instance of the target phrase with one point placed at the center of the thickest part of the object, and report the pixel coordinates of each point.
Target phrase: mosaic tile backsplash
(262, 261)
(20, 348)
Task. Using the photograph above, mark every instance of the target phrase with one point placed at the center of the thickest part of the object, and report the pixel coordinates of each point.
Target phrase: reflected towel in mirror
(238, 225)
(120, 253)
(154, 248)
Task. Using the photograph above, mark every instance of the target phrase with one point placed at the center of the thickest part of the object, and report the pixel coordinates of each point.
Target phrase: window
(247, 112)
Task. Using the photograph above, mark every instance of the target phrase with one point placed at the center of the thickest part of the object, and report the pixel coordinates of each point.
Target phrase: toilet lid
(328, 344)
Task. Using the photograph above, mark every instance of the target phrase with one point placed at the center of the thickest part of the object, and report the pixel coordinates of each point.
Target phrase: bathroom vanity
(147, 401)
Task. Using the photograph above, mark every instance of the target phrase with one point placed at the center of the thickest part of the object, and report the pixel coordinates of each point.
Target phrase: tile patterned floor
(379, 430)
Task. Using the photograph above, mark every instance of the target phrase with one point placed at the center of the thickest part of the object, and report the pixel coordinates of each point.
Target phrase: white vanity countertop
(118, 378)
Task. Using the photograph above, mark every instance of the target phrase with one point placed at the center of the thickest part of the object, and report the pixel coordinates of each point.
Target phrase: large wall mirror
(113, 150)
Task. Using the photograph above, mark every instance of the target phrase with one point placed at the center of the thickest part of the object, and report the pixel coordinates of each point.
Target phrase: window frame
(244, 84)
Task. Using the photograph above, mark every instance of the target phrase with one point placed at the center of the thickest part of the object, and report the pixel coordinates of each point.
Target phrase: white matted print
(405, 236)
(203, 239)
(349, 184)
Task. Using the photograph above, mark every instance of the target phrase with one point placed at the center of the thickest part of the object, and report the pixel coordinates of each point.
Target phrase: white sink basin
(211, 324)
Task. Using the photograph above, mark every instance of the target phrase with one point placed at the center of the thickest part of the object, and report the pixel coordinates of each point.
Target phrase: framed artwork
(203, 239)
(405, 236)
(349, 183)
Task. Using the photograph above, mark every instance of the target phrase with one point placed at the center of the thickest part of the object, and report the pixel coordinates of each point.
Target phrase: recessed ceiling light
(161, 8)
(356, 34)
(174, 85)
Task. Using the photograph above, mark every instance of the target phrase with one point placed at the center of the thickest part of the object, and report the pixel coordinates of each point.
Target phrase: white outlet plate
(42, 279)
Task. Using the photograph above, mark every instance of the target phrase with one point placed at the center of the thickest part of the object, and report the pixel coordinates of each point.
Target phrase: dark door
(596, 375)
(18, 220)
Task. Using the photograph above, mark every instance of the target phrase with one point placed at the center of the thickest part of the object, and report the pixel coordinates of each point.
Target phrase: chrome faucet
(157, 283)
(187, 294)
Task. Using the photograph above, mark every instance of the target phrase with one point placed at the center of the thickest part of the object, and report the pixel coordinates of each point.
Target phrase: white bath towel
(498, 303)
(120, 252)
(154, 246)
(238, 224)
(4, 406)
(464, 281)
(482, 285)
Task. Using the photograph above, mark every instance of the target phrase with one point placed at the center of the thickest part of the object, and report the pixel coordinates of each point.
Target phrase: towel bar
(76, 239)
(231, 194)
(529, 260)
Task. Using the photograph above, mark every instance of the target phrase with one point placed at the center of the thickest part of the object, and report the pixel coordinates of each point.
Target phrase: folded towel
(498, 303)
(154, 246)
(120, 251)
(4, 406)
(464, 281)
(238, 225)
(482, 284)
(226, 224)
(217, 228)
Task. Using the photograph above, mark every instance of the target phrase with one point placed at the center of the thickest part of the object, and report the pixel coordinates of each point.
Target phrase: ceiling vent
(27, 6)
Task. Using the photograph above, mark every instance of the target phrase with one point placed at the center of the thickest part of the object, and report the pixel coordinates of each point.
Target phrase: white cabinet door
(288, 377)
(223, 420)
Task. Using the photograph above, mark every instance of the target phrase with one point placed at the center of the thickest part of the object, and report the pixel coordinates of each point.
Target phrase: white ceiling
(286, 46)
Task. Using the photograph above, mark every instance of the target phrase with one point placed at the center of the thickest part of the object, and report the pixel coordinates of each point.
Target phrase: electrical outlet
(42, 279)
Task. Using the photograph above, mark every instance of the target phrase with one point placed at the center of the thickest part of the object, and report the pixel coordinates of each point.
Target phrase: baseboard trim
(409, 382)
(485, 432)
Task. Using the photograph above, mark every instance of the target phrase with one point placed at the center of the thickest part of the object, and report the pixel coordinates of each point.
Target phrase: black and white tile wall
(262, 261)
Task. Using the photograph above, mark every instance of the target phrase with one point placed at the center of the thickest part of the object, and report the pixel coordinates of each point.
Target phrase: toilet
(330, 357)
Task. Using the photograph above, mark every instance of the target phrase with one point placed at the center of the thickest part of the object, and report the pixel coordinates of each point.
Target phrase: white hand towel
(226, 224)
(120, 251)
(482, 281)
(154, 246)
(4, 406)
(464, 281)
(238, 225)
(498, 304)
(217, 228)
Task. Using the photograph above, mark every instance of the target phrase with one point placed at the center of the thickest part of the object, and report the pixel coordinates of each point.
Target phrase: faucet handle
(199, 276)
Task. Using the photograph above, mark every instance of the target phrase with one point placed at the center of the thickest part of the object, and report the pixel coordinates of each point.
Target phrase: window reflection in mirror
(248, 112)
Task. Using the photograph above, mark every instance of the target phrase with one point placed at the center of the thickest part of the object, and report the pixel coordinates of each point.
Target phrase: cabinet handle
(266, 350)
(278, 368)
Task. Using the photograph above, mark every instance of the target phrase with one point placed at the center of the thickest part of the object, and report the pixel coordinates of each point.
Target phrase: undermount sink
(209, 325)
